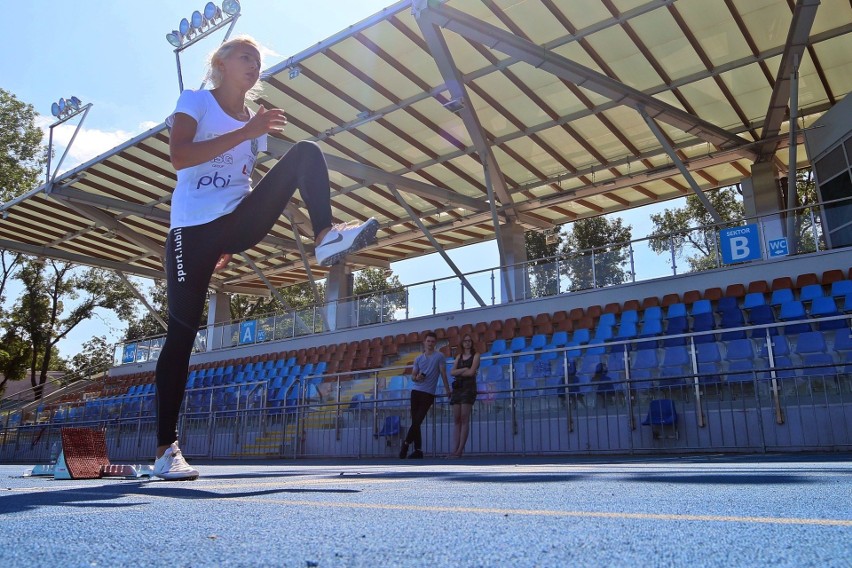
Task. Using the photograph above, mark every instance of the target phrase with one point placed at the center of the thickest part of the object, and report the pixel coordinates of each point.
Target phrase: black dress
(464, 388)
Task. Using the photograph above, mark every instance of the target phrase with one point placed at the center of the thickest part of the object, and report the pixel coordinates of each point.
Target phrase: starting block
(84, 456)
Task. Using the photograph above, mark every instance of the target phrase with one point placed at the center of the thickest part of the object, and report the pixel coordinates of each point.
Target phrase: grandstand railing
(586, 269)
(585, 398)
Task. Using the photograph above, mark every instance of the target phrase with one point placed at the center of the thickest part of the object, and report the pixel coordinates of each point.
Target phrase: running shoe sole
(364, 238)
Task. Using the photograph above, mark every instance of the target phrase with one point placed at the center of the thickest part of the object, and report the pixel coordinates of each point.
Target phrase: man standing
(427, 367)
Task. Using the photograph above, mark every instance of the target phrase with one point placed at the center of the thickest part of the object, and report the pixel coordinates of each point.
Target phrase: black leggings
(421, 402)
(192, 253)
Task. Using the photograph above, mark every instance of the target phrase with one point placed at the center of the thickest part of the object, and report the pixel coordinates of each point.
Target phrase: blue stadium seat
(517, 344)
(781, 355)
(753, 299)
(742, 360)
(791, 311)
(676, 361)
(643, 368)
(816, 360)
(652, 313)
(677, 310)
(538, 341)
(497, 347)
(607, 319)
(661, 414)
(629, 316)
(709, 360)
(842, 344)
(626, 330)
(727, 304)
(391, 426)
(581, 337)
(809, 292)
(603, 332)
(824, 307)
(780, 296)
(841, 288)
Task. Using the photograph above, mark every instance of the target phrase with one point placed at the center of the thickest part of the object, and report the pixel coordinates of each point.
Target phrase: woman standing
(215, 213)
(464, 394)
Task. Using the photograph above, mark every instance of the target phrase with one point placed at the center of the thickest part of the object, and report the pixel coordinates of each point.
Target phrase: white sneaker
(342, 240)
(172, 465)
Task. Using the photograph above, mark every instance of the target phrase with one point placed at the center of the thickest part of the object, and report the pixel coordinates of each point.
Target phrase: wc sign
(740, 244)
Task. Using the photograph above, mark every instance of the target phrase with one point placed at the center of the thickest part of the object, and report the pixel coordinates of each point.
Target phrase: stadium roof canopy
(425, 110)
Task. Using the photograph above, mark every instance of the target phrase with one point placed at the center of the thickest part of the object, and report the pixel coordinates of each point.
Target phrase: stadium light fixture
(295, 71)
(64, 110)
(200, 24)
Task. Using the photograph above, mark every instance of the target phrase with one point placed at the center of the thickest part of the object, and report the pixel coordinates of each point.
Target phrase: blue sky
(116, 57)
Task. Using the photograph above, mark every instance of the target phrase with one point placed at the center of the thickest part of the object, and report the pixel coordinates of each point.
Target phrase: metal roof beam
(495, 38)
(371, 175)
(111, 223)
(48, 252)
(440, 250)
(454, 82)
(797, 40)
(70, 194)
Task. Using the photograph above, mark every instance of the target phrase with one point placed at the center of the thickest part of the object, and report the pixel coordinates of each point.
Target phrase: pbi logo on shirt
(215, 180)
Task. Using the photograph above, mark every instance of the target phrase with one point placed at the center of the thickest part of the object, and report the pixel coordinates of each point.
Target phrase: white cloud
(89, 143)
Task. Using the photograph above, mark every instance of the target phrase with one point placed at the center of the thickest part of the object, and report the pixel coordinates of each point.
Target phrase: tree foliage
(380, 294)
(21, 153)
(596, 253)
(676, 228)
(542, 248)
(693, 234)
(42, 315)
(94, 358)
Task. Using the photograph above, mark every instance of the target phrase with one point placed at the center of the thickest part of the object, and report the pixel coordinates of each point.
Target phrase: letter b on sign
(740, 244)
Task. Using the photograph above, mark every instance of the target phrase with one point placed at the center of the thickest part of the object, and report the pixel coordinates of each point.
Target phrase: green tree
(41, 312)
(676, 228)
(22, 159)
(22, 156)
(146, 325)
(380, 294)
(596, 253)
(806, 196)
(95, 357)
(542, 248)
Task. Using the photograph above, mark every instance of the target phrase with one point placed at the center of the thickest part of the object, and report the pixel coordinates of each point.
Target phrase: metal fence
(636, 261)
(571, 400)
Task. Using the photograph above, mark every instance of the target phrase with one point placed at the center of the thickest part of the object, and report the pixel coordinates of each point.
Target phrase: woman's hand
(222, 262)
(265, 121)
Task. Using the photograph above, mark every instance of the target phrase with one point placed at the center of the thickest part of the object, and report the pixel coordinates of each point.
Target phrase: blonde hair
(222, 52)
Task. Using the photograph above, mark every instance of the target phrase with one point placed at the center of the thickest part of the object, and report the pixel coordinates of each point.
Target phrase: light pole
(201, 24)
(64, 110)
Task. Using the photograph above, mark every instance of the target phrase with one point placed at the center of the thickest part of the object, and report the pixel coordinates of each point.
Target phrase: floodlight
(211, 11)
(54, 109)
(73, 102)
(175, 38)
(61, 106)
(184, 27)
(231, 7)
(295, 72)
(197, 20)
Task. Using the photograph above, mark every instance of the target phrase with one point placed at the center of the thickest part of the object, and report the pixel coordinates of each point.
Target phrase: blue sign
(778, 247)
(740, 244)
(248, 330)
(129, 355)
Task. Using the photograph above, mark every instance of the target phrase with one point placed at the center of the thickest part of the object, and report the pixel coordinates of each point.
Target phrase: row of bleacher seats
(528, 344)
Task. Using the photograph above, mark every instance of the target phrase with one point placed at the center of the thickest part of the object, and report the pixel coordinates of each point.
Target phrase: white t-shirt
(207, 191)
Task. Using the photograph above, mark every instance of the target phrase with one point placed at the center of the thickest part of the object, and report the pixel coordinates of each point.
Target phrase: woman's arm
(185, 153)
(474, 366)
(455, 371)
